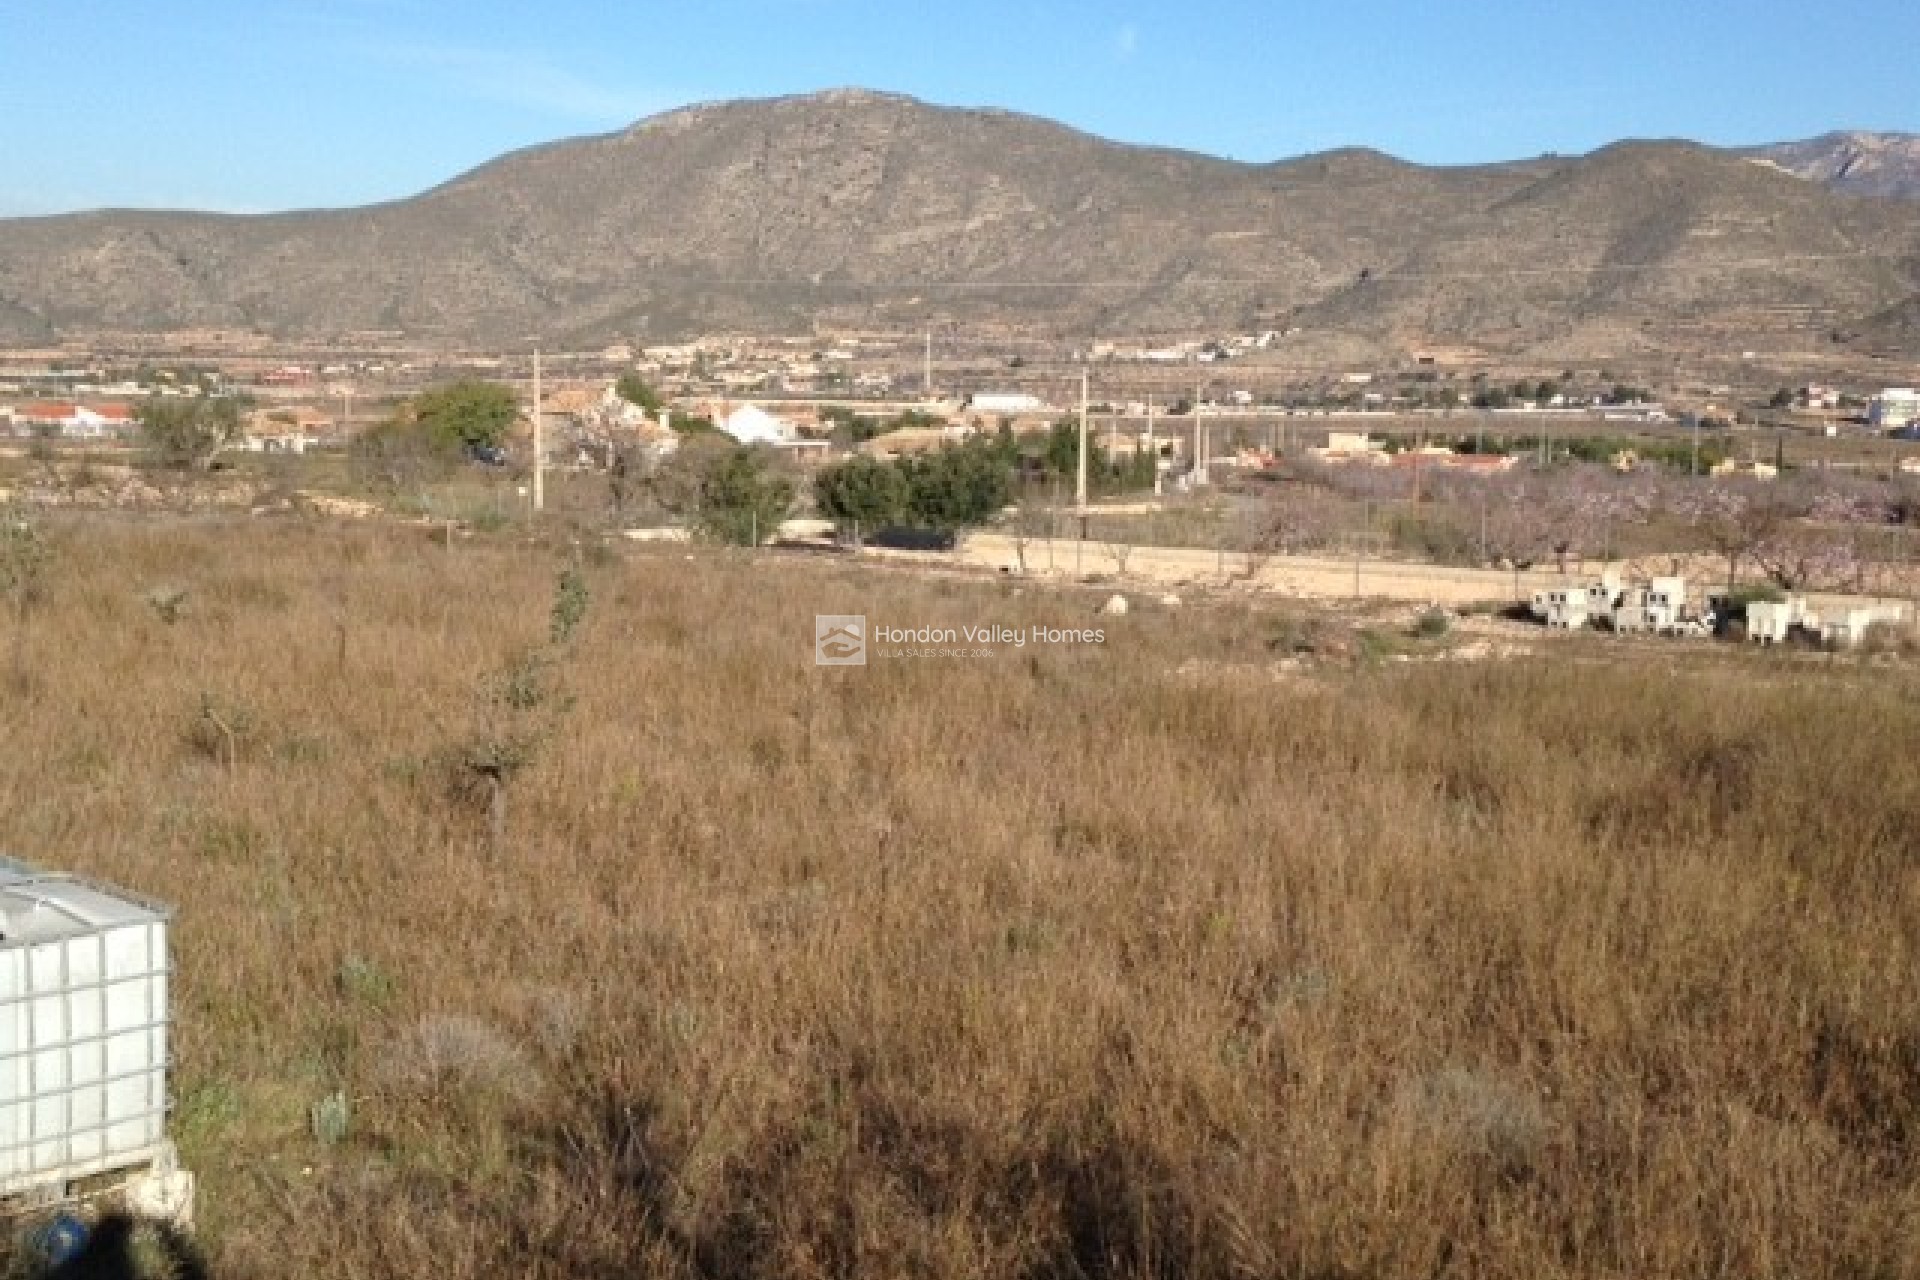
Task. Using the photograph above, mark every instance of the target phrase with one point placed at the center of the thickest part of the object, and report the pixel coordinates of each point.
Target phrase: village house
(1444, 459)
(289, 430)
(1894, 408)
(750, 424)
(1352, 446)
(73, 421)
(1010, 404)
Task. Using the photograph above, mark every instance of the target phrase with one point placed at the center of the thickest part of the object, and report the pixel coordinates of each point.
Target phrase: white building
(750, 424)
(1659, 607)
(1842, 627)
(1353, 446)
(1007, 403)
(1564, 608)
(72, 420)
(1894, 408)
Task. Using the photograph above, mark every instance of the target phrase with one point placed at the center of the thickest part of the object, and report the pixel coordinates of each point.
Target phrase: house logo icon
(840, 639)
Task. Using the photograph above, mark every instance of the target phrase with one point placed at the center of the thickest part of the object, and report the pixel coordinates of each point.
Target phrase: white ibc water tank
(83, 1030)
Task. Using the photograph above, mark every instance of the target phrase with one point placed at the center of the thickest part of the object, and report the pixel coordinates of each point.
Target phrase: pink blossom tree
(1732, 517)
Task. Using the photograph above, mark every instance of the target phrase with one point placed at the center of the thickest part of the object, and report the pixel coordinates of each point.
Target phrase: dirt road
(1323, 578)
(1327, 578)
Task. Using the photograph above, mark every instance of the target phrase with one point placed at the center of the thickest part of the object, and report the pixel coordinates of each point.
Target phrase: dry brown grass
(1055, 964)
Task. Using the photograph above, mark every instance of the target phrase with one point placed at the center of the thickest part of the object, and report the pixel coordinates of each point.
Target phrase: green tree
(461, 416)
(187, 431)
(676, 483)
(428, 435)
(1105, 473)
(958, 486)
(866, 491)
(635, 390)
(742, 499)
(1063, 449)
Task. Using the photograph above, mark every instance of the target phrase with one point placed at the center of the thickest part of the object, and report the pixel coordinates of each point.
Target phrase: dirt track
(1318, 577)
(1293, 575)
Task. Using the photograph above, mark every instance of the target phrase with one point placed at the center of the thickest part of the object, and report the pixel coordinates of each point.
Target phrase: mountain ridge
(854, 207)
(1851, 161)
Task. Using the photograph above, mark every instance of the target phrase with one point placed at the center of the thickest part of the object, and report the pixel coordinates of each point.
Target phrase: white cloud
(1126, 42)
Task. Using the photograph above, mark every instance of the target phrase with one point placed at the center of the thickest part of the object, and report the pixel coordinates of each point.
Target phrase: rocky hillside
(858, 208)
(1861, 164)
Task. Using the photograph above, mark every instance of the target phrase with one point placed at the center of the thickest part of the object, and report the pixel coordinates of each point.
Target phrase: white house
(750, 424)
(1659, 607)
(1847, 628)
(1564, 608)
(1353, 446)
(72, 420)
(1894, 408)
(1010, 404)
(1772, 621)
(292, 430)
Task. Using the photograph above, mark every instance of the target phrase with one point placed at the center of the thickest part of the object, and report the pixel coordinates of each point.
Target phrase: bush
(189, 431)
(866, 491)
(462, 417)
(742, 500)
(958, 486)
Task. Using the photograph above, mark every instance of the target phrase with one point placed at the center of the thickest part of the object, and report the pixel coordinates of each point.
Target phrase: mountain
(1861, 164)
(851, 208)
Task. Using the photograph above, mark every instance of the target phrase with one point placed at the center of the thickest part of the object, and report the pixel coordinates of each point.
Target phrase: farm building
(1657, 607)
(1772, 622)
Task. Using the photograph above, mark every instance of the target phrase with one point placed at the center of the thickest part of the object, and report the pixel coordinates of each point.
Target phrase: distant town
(916, 392)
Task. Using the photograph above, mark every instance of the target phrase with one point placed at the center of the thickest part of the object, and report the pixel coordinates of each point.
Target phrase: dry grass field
(1059, 963)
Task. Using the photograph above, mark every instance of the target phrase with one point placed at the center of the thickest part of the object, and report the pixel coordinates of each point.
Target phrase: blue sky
(255, 105)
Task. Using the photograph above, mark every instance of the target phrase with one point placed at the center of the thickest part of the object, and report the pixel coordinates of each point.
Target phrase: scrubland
(1061, 963)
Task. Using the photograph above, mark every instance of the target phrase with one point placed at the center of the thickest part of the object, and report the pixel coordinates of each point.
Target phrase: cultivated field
(1149, 958)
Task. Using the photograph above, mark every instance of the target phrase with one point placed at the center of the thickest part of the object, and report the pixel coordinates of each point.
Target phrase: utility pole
(1199, 441)
(1153, 450)
(926, 374)
(539, 442)
(1080, 484)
